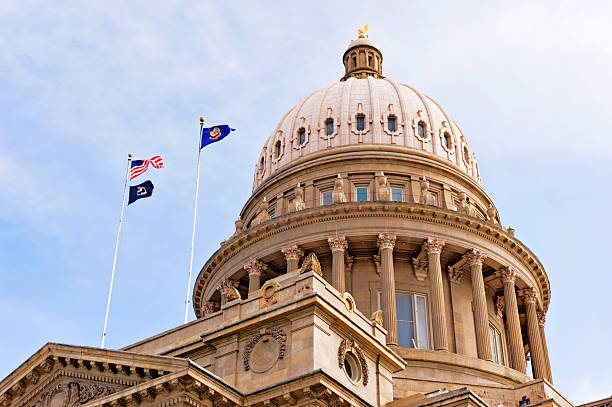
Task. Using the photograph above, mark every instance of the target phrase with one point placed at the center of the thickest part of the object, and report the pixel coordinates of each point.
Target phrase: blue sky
(84, 83)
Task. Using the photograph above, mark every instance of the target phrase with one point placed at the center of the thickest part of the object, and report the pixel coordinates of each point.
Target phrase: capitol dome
(363, 111)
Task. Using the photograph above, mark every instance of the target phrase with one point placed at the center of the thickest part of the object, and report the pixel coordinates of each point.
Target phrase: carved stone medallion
(350, 346)
(264, 349)
(72, 394)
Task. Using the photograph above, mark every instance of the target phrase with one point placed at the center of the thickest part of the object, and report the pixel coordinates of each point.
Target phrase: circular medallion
(265, 354)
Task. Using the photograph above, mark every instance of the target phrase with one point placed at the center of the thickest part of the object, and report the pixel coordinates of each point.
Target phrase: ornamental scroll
(350, 345)
(73, 394)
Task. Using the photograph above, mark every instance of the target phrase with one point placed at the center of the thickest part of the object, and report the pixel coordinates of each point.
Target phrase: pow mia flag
(143, 190)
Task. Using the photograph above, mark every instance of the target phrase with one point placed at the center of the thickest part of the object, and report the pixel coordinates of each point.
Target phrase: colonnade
(432, 248)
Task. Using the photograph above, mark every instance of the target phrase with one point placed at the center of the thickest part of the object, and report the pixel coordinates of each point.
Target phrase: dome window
(392, 124)
(466, 154)
(329, 127)
(421, 130)
(261, 164)
(360, 122)
(302, 136)
(354, 62)
(370, 61)
(446, 139)
(278, 148)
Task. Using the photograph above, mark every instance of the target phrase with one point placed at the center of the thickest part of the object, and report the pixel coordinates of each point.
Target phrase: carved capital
(337, 243)
(386, 241)
(507, 274)
(474, 257)
(292, 252)
(455, 274)
(541, 318)
(255, 266)
(433, 245)
(421, 267)
(208, 307)
(500, 307)
(224, 286)
(529, 295)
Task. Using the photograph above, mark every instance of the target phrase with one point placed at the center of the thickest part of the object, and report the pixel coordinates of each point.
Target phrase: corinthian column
(292, 255)
(479, 301)
(386, 242)
(513, 323)
(254, 269)
(338, 245)
(538, 362)
(433, 247)
(541, 322)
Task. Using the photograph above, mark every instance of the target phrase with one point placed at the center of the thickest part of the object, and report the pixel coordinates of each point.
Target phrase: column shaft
(545, 349)
(436, 293)
(386, 242)
(254, 269)
(513, 323)
(338, 245)
(292, 256)
(538, 362)
(254, 279)
(292, 264)
(479, 304)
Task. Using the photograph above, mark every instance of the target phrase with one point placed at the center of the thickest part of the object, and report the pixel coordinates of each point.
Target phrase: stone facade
(388, 219)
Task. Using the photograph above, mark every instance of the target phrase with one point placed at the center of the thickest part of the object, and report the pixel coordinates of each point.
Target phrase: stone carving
(529, 295)
(426, 197)
(464, 205)
(492, 215)
(433, 245)
(311, 263)
(384, 190)
(277, 334)
(208, 307)
(224, 285)
(263, 214)
(474, 257)
(507, 275)
(386, 241)
(377, 317)
(337, 243)
(292, 252)
(298, 202)
(74, 394)
(376, 259)
(421, 268)
(348, 263)
(239, 224)
(232, 294)
(349, 345)
(338, 194)
(349, 302)
(541, 318)
(268, 292)
(500, 307)
(255, 266)
(455, 274)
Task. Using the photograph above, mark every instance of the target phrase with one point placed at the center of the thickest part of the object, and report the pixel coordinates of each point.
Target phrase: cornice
(354, 210)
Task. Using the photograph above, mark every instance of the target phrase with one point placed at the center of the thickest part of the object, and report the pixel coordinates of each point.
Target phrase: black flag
(143, 190)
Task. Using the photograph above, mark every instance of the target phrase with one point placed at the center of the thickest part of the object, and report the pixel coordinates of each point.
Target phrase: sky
(82, 84)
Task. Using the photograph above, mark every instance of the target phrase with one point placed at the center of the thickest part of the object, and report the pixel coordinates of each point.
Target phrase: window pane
(493, 346)
(500, 355)
(446, 139)
(362, 194)
(405, 334)
(278, 149)
(326, 198)
(396, 194)
(392, 126)
(329, 127)
(360, 123)
(404, 307)
(302, 134)
(422, 322)
(421, 130)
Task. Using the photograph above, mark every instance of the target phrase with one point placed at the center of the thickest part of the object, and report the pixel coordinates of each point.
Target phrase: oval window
(352, 368)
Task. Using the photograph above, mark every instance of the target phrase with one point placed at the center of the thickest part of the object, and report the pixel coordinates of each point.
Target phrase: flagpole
(110, 288)
(195, 213)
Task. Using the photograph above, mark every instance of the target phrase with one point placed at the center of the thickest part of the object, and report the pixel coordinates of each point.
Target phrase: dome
(365, 113)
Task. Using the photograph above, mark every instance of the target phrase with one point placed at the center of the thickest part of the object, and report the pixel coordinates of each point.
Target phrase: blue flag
(213, 134)
(143, 190)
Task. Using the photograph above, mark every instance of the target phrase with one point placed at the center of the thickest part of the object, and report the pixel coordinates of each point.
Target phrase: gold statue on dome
(362, 31)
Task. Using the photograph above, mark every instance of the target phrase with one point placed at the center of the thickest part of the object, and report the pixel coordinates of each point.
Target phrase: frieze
(74, 394)
(278, 334)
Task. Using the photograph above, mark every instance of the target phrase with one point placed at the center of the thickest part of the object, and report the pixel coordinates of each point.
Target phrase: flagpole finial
(201, 119)
(129, 155)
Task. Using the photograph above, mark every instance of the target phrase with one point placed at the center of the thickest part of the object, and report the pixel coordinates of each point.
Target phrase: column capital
(224, 285)
(433, 245)
(255, 266)
(529, 295)
(386, 241)
(420, 268)
(208, 307)
(507, 274)
(455, 274)
(474, 257)
(541, 318)
(337, 243)
(292, 252)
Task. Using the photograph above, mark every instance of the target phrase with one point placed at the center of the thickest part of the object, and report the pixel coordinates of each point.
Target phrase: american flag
(140, 166)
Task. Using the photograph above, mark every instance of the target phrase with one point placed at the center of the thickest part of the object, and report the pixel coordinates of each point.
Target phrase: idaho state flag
(213, 134)
(143, 190)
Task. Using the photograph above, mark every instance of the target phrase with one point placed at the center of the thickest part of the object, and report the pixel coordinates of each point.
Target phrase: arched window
(391, 123)
(329, 127)
(301, 136)
(360, 122)
(421, 130)
(278, 148)
(369, 60)
(446, 139)
(354, 62)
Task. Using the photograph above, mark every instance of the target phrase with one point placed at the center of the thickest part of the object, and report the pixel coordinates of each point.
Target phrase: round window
(352, 367)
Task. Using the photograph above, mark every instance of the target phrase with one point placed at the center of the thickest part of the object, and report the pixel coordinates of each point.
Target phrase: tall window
(329, 127)
(496, 345)
(278, 149)
(412, 322)
(391, 123)
(302, 136)
(360, 122)
(466, 154)
(361, 193)
(369, 60)
(354, 62)
(326, 197)
(446, 139)
(397, 194)
(421, 130)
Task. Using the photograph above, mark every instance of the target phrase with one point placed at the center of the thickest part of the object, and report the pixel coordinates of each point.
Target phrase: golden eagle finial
(362, 31)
